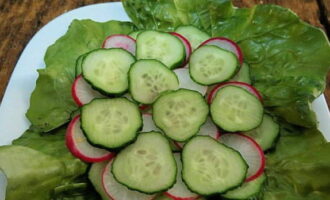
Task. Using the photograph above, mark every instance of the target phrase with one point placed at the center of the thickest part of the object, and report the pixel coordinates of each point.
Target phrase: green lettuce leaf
(81, 189)
(52, 144)
(39, 166)
(299, 168)
(288, 58)
(51, 103)
(152, 14)
(166, 15)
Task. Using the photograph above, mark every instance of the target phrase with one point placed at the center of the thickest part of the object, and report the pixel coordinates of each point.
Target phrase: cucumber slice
(147, 165)
(186, 45)
(243, 85)
(210, 167)
(235, 109)
(149, 78)
(243, 75)
(107, 69)
(227, 44)
(95, 176)
(180, 113)
(265, 134)
(193, 34)
(208, 128)
(179, 189)
(79, 62)
(79, 147)
(118, 191)
(247, 190)
(111, 123)
(149, 125)
(160, 46)
(210, 64)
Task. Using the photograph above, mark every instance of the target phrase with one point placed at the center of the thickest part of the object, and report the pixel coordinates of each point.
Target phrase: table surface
(21, 19)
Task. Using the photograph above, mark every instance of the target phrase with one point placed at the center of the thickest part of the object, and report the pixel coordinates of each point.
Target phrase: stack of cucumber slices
(170, 116)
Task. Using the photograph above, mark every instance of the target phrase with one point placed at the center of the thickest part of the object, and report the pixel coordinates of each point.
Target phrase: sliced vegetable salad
(179, 112)
(178, 105)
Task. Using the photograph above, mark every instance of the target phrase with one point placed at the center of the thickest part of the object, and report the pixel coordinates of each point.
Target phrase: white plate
(22, 82)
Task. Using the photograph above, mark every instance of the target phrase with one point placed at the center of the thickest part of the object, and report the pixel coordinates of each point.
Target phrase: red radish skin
(144, 107)
(246, 86)
(187, 47)
(73, 92)
(106, 168)
(263, 159)
(261, 168)
(218, 136)
(120, 41)
(82, 93)
(178, 145)
(71, 144)
(227, 44)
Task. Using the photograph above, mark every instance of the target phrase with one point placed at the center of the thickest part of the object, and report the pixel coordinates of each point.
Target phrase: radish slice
(82, 92)
(186, 45)
(226, 44)
(117, 191)
(120, 41)
(95, 177)
(246, 86)
(148, 123)
(180, 191)
(208, 128)
(78, 145)
(187, 83)
(250, 151)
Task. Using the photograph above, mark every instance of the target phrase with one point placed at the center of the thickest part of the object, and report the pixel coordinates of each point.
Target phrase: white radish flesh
(180, 191)
(117, 191)
(82, 92)
(208, 128)
(186, 45)
(120, 41)
(243, 85)
(250, 151)
(226, 44)
(79, 146)
(186, 82)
